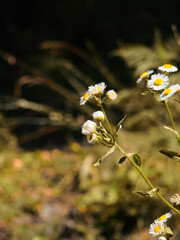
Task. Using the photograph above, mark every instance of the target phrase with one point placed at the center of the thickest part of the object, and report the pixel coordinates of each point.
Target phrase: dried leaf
(172, 130)
(168, 232)
(119, 124)
(98, 163)
(147, 194)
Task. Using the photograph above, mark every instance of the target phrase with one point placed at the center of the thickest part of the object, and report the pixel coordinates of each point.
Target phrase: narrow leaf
(147, 194)
(171, 154)
(172, 130)
(98, 163)
(137, 159)
(122, 160)
(119, 124)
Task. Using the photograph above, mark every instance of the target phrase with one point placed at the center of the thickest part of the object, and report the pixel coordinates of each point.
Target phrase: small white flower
(168, 68)
(85, 98)
(162, 238)
(156, 228)
(168, 92)
(92, 138)
(111, 94)
(158, 82)
(163, 218)
(98, 116)
(175, 199)
(144, 75)
(88, 127)
(97, 89)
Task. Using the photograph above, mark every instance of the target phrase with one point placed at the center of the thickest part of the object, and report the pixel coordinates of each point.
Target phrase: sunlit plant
(101, 131)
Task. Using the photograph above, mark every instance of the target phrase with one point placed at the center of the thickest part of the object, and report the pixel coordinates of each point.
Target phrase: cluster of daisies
(95, 92)
(159, 82)
(94, 130)
(158, 227)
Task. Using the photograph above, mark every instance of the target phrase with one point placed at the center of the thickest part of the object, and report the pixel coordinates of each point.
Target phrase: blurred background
(50, 52)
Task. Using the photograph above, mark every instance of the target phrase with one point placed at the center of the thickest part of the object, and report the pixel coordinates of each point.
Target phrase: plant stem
(171, 119)
(107, 121)
(146, 179)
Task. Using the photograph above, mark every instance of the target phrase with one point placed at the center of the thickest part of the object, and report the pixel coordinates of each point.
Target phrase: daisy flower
(156, 228)
(144, 75)
(111, 94)
(92, 138)
(175, 199)
(168, 92)
(88, 127)
(85, 98)
(163, 218)
(98, 116)
(97, 89)
(168, 68)
(158, 82)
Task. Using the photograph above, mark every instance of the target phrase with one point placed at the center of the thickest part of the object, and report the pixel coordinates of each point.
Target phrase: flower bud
(111, 94)
(92, 138)
(88, 127)
(98, 116)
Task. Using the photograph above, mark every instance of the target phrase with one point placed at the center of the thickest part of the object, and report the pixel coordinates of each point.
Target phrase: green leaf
(171, 154)
(98, 163)
(119, 125)
(137, 159)
(122, 159)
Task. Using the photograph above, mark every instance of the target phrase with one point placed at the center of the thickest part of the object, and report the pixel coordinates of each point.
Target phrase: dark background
(25, 25)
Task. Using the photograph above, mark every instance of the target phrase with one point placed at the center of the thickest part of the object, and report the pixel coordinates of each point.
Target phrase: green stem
(171, 119)
(107, 121)
(146, 179)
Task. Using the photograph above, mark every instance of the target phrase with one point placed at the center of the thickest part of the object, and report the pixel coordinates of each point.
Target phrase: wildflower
(175, 199)
(85, 98)
(88, 127)
(168, 92)
(111, 94)
(158, 82)
(163, 218)
(168, 68)
(144, 76)
(97, 89)
(156, 228)
(92, 138)
(98, 116)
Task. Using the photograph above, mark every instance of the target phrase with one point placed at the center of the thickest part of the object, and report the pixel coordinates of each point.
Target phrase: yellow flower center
(167, 66)
(143, 74)
(86, 96)
(98, 88)
(157, 229)
(162, 217)
(158, 82)
(167, 91)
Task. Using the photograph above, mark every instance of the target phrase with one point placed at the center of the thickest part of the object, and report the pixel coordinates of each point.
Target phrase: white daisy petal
(144, 75)
(85, 98)
(168, 92)
(162, 238)
(163, 218)
(168, 68)
(88, 127)
(158, 82)
(156, 228)
(97, 89)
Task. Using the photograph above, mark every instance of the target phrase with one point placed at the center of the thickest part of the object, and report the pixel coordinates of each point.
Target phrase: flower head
(168, 92)
(98, 116)
(111, 94)
(163, 218)
(88, 127)
(92, 138)
(156, 228)
(85, 98)
(144, 75)
(158, 82)
(168, 68)
(175, 199)
(97, 89)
